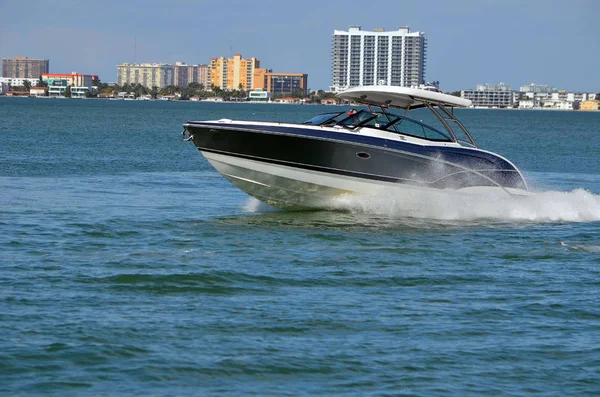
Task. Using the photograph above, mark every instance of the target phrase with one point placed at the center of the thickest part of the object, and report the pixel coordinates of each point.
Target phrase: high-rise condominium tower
(377, 58)
(147, 74)
(24, 67)
(230, 73)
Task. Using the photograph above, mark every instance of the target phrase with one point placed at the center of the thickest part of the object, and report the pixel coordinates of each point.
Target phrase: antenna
(230, 49)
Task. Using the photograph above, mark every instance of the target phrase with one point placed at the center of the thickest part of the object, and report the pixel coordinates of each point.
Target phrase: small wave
(216, 283)
(580, 247)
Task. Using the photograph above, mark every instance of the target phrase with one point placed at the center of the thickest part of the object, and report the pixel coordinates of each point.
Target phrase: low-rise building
(591, 104)
(19, 81)
(38, 91)
(560, 99)
(17, 93)
(125, 95)
(289, 100)
(80, 92)
(560, 104)
(57, 90)
(259, 95)
(490, 95)
(526, 103)
(536, 88)
(73, 79)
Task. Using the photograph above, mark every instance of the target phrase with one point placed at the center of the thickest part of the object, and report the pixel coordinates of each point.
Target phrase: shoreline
(275, 103)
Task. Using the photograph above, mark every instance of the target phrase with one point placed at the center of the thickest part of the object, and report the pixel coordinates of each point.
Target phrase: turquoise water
(128, 266)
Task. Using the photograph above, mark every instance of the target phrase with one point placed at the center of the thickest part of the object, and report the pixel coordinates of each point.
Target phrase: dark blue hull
(357, 155)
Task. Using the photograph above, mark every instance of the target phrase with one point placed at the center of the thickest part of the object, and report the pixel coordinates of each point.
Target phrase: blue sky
(554, 42)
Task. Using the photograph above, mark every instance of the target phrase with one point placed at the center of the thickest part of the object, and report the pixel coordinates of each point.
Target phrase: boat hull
(291, 167)
(294, 188)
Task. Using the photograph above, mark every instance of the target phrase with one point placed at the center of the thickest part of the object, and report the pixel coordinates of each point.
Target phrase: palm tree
(217, 90)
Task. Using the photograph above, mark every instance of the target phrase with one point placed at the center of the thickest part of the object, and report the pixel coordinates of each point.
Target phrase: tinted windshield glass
(322, 118)
(380, 121)
(354, 119)
(414, 128)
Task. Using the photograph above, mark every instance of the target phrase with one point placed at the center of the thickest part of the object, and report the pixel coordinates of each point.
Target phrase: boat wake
(549, 206)
(578, 205)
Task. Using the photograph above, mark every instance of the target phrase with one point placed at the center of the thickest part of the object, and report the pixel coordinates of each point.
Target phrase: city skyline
(469, 41)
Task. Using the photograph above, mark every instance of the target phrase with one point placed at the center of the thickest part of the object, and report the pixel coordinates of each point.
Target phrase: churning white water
(578, 205)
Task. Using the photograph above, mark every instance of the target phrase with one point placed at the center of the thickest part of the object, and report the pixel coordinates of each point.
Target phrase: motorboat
(362, 151)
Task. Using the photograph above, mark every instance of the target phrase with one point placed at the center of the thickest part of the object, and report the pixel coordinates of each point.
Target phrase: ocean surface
(128, 266)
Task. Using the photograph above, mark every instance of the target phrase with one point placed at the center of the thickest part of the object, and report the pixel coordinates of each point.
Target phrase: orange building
(590, 105)
(229, 73)
(260, 79)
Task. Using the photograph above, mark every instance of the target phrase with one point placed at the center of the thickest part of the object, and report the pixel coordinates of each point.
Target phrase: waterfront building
(286, 83)
(17, 93)
(186, 74)
(259, 95)
(80, 92)
(149, 75)
(550, 103)
(560, 99)
(24, 67)
(590, 104)
(377, 57)
(19, 81)
(57, 90)
(229, 73)
(38, 91)
(290, 100)
(572, 96)
(74, 80)
(490, 95)
(527, 103)
(535, 88)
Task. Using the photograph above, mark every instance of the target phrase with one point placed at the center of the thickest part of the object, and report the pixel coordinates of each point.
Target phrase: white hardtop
(400, 97)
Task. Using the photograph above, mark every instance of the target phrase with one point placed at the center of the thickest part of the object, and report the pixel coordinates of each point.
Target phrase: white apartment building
(490, 96)
(560, 99)
(147, 74)
(537, 88)
(377, 57)
(19, 81)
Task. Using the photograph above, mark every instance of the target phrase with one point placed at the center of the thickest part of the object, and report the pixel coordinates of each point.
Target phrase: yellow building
(229, 73)
(589, 105)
